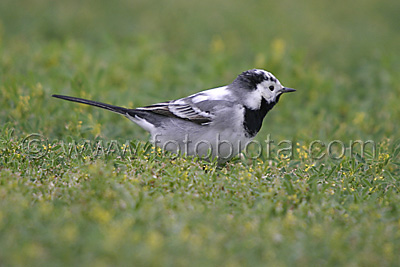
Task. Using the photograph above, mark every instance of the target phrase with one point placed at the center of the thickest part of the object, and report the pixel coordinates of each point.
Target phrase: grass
(80, 205)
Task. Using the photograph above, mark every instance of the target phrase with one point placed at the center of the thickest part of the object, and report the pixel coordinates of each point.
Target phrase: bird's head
(254, 85)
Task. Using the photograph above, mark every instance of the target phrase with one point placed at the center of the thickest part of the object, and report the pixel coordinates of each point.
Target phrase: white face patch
(253, 99)
(268, 90)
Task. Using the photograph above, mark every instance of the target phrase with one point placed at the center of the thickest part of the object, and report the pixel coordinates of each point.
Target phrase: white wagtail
(213, 123)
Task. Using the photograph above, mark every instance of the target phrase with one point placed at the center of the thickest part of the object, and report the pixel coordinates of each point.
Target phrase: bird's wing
(182, 109)
(199, 108)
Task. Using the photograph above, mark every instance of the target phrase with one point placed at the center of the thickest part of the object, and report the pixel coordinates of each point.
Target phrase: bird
(213, 124)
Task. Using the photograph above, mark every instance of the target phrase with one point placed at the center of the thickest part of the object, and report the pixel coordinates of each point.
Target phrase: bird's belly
(223, 144)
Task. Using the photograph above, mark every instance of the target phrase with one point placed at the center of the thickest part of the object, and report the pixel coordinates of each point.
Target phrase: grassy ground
(67, 202)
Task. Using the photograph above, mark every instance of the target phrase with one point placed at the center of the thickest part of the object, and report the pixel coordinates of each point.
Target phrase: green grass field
(65, 202)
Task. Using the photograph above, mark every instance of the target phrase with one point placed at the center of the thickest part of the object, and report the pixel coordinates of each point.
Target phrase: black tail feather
(112, 108)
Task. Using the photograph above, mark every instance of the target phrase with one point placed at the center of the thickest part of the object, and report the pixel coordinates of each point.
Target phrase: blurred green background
(61, 210)
(343, 58)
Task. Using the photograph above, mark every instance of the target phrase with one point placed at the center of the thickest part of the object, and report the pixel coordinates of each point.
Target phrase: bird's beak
(287, 90)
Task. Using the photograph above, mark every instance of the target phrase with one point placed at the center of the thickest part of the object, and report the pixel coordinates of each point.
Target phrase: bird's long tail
(116, 109)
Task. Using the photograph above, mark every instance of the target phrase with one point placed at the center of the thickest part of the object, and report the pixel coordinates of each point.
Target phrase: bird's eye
(271, 88)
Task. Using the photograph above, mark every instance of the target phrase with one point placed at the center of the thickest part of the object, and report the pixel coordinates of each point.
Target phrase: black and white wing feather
(182, 109)
(198, 108)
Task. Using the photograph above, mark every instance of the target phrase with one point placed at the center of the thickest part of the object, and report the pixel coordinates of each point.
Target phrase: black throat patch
(253, 118)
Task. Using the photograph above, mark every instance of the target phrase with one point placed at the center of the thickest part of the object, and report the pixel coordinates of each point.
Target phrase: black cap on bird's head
(251, 79)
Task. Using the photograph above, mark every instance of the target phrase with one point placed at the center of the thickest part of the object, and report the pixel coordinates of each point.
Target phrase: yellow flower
(217, 45)
(278, 48)
(100, 215)
(69, 233)
(308, 167)
(359, 118)
(155, 239)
